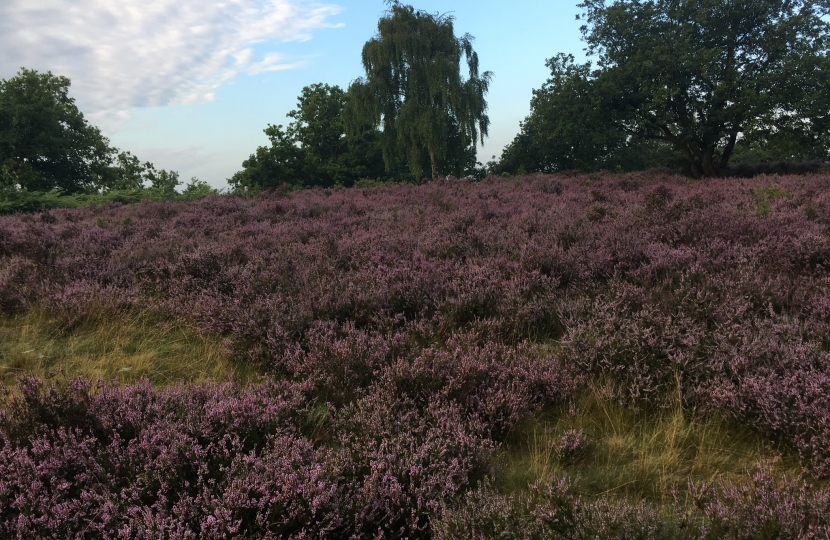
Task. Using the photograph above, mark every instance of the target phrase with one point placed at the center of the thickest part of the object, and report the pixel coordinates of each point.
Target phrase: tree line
(691, 83)
(694, 85)
(412, 114)
(46, 144)
(686, 84)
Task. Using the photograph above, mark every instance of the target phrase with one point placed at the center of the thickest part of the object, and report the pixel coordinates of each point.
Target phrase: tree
(328, 152)
(45, 142)
(414, 91)
(198, 189)
(318, 129)
(127, 172)
(570, 126)
(270, 167)
(699, 74)
(314, 149)
(164, 182)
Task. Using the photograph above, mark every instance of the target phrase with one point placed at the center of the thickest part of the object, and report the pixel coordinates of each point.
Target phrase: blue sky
(190, 84)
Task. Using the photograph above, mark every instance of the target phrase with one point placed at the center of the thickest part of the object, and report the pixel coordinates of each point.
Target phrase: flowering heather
(221, 461)
(412, 329)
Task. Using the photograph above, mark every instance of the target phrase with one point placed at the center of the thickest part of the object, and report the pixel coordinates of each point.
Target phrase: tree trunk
(707, 163)
(727, 151)
(702, 160)
(434, 165)
(696, 169)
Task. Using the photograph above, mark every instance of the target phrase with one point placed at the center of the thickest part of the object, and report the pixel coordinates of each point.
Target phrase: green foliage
(429, 114)
(126, 172)
(22, 200)
(13, 200)
(368, 183)
(319, 133)
(787, 145)
(49, 151)
(570, 126)
(269, 167)
(314, 150)
(567, 127)
(164, 182)
(198, 189)
(698, 75)
(45, 141)
(765, 195)
(684, 83)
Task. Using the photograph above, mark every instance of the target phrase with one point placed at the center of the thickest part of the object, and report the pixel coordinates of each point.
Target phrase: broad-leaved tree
(699, 74)
(45, 141)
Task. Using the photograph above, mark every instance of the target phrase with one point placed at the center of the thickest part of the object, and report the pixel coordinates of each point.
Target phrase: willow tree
(415, 93)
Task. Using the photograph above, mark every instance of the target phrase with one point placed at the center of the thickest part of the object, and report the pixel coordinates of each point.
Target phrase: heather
(413, 340)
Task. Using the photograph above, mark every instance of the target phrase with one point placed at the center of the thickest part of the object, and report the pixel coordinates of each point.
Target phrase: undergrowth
(434, 355)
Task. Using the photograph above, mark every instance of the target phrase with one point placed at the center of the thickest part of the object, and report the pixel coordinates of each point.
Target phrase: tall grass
(647, 455)
(125, 347)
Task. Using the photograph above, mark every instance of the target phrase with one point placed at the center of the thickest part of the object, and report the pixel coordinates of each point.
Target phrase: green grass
(125, 347)
(764, 197)
(640, 456)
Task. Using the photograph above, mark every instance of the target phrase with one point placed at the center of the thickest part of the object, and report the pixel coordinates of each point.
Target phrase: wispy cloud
(178, 159)
(142, 53)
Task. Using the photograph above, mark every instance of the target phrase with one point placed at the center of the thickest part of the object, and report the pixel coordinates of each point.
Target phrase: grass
(765, 195)
(642, 456)
(125, 347)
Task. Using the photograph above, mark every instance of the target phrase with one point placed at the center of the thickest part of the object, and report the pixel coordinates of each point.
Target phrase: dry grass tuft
(638, 455)
(123, 347)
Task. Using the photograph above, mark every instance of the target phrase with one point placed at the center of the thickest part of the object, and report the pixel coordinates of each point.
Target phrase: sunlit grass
(122, 347)
(645, 455)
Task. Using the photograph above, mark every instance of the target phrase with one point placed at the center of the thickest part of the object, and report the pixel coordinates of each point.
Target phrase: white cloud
(124, 54)
(272, 62)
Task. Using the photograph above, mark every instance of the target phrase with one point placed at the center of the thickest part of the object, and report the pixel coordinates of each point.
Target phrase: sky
(189, 85)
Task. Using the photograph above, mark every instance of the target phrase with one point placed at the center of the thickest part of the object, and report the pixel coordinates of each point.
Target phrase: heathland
(545, 356)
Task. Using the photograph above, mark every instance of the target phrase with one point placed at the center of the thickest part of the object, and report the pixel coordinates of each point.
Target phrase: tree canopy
(45, 141)
(699, 74)
(571, 126)
(314, 149)
(47, 144)
(413, 89)
(694, 81)
(568, 127)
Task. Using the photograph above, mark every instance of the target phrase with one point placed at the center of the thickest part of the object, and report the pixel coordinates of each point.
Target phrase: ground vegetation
(549, 356)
